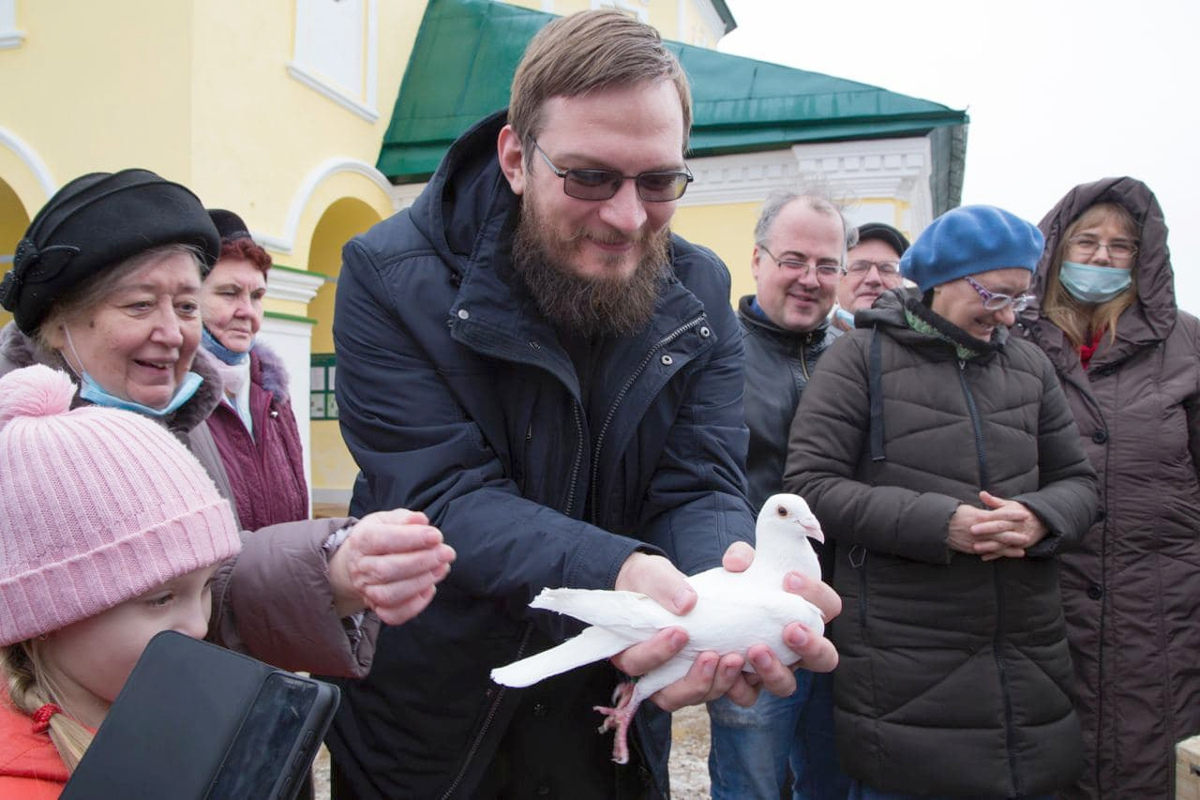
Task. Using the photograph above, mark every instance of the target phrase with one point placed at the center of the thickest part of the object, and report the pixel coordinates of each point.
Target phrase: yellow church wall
(286, 130)
(101, 86)
(728, 230)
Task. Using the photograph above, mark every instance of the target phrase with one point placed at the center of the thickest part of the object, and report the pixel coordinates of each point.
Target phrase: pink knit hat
(97, 506)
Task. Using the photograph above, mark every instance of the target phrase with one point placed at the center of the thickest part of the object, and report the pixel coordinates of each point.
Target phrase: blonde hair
(30, 689)
(587, 52)
(1081, 321)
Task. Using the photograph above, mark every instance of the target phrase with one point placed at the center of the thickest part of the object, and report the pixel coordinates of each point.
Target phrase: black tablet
(198, 721)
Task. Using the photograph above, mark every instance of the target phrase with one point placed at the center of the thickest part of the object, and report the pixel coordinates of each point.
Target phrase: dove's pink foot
(619, 719)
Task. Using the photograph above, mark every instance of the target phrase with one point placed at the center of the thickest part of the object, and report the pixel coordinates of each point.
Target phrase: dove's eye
(781, 511)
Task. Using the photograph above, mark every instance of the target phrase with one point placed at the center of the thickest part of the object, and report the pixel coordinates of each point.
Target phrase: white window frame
(10, 37)
(364, 106)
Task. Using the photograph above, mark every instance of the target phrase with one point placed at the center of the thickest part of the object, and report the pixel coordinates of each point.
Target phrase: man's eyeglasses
(825, 270)
(886, 268)
(1087, 246)
(994, 301)
(603, 184)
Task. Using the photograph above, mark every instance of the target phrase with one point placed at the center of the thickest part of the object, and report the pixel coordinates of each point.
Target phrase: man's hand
(1005, 529)
(390, 564)
(713, 675)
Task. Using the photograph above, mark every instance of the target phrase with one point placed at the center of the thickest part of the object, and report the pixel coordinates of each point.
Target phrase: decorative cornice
(293, 285)
(11, 39)
(405, 194)
(874, 168)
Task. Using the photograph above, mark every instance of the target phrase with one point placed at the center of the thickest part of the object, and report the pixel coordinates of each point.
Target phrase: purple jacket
(266, 471)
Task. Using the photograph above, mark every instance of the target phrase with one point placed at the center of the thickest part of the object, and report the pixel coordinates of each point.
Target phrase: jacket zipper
(577, 461)
(804, 362)
(974, 412)
(998, 634)
(487, 722)
(612, 411)
(997, 643)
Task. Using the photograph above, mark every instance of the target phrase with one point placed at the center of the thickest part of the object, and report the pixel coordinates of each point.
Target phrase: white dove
(733, 611)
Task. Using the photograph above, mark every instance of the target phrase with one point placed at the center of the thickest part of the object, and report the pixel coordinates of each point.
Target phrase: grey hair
(814, 201)
(87, 294)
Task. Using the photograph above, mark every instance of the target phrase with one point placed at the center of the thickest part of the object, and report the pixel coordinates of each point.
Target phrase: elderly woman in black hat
(253, 426)
(106, 284)
(941, 456)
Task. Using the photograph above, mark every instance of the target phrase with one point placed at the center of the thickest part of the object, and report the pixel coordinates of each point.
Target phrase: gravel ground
(689, 758)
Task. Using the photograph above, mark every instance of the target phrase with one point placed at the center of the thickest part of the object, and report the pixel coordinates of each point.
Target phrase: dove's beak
(813, 531)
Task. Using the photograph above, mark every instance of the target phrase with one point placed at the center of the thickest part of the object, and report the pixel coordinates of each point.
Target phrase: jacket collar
(754, 321)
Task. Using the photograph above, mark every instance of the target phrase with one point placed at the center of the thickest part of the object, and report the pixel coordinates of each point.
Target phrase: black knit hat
(229, 225)
(885, 233)
(94, 223)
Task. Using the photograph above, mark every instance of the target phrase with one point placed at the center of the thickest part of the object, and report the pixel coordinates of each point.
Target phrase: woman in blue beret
(1129, 362)
(942, 457)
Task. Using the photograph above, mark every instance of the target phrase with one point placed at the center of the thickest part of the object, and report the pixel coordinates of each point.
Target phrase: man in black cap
(872, 268)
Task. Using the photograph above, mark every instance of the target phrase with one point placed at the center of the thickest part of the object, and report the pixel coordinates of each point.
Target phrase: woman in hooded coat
(1129, 361)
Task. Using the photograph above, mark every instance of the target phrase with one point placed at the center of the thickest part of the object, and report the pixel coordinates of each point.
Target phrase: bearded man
(530, 357)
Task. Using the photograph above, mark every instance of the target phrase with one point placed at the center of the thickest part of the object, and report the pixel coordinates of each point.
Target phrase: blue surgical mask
(94, 393)
(844, 316)
(1089, 284)
(219, 350)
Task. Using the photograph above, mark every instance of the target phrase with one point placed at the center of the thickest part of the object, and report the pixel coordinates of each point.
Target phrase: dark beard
(588, 307)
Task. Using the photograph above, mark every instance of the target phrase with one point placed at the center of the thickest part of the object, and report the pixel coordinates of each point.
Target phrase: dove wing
(591, 645)
(631, 614)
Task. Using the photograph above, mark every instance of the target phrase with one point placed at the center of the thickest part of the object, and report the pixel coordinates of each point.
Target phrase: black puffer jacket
(954, 674)
(1132, 591)
(778, 365)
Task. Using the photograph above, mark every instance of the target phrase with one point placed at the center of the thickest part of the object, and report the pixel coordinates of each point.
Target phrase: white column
(291, 338)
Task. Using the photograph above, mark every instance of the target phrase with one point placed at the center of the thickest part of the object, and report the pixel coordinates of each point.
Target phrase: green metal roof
(467, 51)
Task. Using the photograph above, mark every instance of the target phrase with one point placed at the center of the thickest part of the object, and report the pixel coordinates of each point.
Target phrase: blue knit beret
(969, 240)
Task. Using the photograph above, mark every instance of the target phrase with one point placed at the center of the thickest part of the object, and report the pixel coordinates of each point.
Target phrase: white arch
(332, 166)
(31, 159)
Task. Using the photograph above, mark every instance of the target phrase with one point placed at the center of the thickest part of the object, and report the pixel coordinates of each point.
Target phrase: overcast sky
(1059, 92)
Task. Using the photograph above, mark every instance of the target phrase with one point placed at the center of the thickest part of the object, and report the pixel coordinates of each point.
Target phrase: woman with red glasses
(1129, 361)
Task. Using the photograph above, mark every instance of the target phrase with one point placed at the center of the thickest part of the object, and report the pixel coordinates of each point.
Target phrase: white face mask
(1089, 284)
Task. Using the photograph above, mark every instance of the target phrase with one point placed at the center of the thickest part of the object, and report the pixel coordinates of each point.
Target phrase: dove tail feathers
(591, 645)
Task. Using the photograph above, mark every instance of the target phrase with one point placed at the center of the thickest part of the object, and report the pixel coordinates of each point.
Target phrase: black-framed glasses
(862, 267)
(603, 184)
(1087, 246)
(994, 301)
(825, 270)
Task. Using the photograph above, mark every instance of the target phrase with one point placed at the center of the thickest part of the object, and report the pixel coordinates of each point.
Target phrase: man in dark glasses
(530, 357)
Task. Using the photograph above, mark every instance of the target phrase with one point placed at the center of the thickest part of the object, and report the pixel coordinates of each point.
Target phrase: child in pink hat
(110, 531)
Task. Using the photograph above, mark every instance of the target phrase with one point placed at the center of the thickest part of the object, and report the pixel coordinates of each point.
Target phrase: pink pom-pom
(36, 391)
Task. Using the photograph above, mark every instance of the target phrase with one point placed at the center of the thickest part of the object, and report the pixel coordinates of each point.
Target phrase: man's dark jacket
(457, 398)
(778, 365)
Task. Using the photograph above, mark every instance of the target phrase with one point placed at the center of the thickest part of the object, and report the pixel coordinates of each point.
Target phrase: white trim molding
(871, 169)
(286, 242)
(298, 287)
(405, 194)
(327, 90)
(364, 106)
(9, 35)
(635, 7)
(31, 159)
